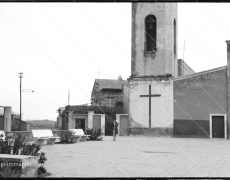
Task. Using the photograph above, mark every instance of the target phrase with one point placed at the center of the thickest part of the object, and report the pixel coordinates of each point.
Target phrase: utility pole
(20, 124)
(68, 97)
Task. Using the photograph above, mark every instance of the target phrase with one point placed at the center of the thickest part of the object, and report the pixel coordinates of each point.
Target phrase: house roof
(78, 107)
(100, 84)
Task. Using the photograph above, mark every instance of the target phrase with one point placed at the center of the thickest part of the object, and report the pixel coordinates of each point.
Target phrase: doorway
(218, 128)
(108, 125)
(124, 125)
(80, 124)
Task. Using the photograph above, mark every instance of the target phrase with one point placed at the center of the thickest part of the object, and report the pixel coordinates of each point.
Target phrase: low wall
(27, 135)
(151, 131)
(55, 132)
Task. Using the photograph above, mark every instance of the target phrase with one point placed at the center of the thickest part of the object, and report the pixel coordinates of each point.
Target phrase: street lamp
(27, 90)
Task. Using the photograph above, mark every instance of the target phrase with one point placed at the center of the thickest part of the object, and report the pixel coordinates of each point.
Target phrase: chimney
(120, 78)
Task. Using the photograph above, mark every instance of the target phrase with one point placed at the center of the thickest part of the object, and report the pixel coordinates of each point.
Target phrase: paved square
(139, 156)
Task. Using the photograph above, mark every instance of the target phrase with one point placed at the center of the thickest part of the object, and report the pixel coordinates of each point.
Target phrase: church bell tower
(153, 64)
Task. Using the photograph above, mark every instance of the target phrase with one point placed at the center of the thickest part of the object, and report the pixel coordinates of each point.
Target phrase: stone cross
(149, 96)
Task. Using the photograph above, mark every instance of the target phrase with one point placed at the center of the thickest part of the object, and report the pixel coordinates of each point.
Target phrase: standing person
(115, 124)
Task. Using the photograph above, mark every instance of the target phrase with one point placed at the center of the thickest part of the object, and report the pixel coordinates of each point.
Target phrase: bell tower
(153, 64)
(154, 39)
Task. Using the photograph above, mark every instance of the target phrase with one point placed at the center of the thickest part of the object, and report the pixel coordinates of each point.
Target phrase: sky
(62, 46)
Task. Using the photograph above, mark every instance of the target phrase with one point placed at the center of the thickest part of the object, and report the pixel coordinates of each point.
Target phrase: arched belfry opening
(151, 33)
(174, 27)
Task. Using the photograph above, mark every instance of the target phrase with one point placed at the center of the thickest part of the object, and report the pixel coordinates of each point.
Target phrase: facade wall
(193, 103)
(126, 99)
(101, 97)
(164, 61)
(161, 107)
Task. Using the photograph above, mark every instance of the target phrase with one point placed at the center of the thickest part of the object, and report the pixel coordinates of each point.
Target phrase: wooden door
(124, 125)
(97, 121)
(218, 126)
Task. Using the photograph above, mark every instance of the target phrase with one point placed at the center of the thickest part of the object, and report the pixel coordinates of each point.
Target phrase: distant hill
(41, 124)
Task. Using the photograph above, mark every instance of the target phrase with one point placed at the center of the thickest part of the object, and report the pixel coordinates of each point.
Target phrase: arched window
(119, 104)
(151, 32)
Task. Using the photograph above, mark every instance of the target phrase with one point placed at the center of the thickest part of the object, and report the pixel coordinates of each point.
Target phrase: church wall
(161, 107)
(196, 103)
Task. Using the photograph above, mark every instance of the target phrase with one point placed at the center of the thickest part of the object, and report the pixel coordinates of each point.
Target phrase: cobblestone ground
(139, 156)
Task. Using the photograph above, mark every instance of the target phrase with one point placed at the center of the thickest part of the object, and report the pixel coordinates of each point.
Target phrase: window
(151, 32)
(110, 101)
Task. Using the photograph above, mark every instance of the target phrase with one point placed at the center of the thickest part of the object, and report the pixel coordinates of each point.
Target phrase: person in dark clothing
(115, 131)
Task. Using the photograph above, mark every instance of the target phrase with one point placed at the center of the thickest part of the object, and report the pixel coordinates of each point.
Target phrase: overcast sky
(61, 46)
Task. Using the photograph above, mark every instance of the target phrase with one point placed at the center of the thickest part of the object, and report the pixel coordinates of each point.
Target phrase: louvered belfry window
(151, 32)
